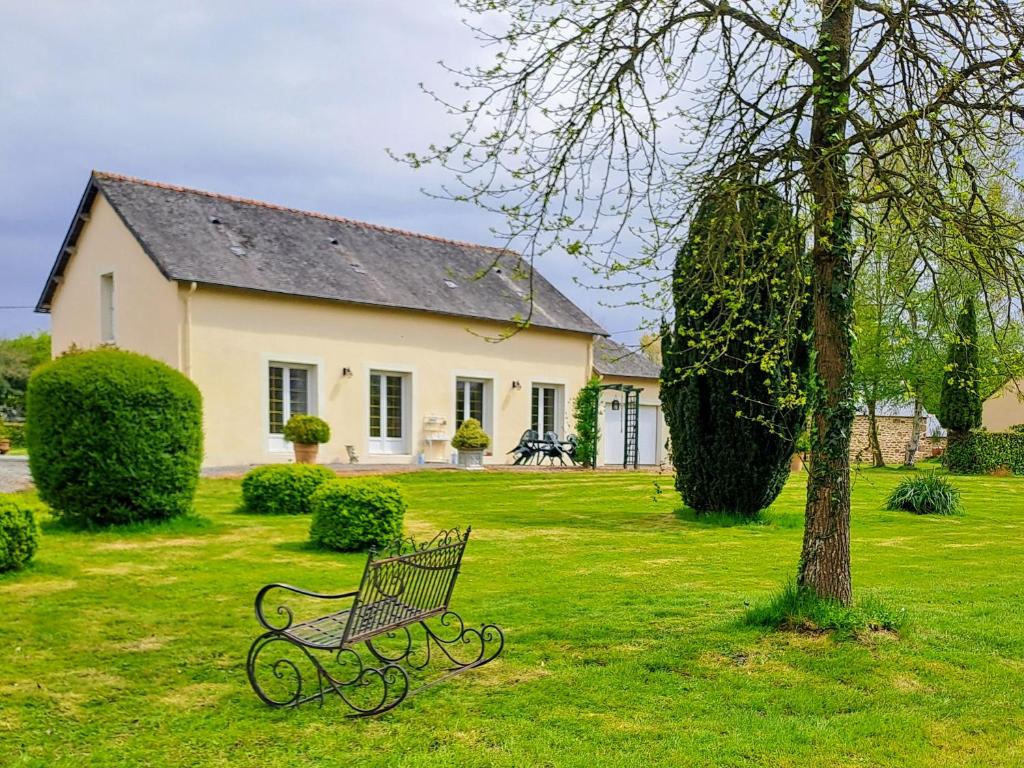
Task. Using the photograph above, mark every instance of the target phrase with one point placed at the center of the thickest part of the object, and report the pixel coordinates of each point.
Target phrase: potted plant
(305, 433)
(471, 441)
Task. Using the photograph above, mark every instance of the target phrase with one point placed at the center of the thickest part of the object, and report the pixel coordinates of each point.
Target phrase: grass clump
(928, 494)
(800, 609)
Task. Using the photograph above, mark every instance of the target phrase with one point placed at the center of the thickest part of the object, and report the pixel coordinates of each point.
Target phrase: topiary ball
(19, 537)
(306, 430)
(282, 489)
(355, 514)
(113, 437)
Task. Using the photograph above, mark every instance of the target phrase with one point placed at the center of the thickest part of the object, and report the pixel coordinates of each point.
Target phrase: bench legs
(453, 644)
(290, 674)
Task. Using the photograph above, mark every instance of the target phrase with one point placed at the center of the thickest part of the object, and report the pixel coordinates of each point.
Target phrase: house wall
(893, 435)
(234, 335)
(651, 396)
(146, 308)
(1004, 409)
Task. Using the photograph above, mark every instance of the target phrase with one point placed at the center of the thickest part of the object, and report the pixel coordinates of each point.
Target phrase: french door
(388, 413)
(546, 409)
(289, 393)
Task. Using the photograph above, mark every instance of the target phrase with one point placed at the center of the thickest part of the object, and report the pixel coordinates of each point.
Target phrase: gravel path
(14, 475)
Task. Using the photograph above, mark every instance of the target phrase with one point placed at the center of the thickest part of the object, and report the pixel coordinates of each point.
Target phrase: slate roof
(614, 359)
(212, 239)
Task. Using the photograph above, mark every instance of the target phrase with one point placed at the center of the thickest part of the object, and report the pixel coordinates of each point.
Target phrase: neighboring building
(895, 424)
(274, 311)
(619, 365)
(1004, 409)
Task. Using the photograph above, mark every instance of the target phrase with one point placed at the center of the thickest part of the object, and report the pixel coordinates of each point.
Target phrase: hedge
(19, 537)
(113, 437)
(356, 514)
(982, 452)
(282, 488)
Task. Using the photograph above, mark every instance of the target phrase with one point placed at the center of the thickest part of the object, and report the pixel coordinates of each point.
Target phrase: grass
(628, 638)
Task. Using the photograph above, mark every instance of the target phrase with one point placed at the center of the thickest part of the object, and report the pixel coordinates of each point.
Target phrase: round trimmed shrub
(470, 436)
(19, 537)
(113, 437)
(355, 514)
(926, 495)
(282, 489)
(306, 430)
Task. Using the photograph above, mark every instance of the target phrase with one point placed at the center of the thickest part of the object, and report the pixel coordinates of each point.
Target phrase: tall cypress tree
(734, 417)
(960, 405)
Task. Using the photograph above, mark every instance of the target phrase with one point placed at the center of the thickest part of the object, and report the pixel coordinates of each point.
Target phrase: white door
(647, 434)
(614, 445)
(387, 414)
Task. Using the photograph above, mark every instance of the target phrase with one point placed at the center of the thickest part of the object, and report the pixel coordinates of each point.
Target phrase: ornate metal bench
(369, 644)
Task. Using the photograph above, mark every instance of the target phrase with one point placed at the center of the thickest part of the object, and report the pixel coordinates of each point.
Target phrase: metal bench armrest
(284, 610)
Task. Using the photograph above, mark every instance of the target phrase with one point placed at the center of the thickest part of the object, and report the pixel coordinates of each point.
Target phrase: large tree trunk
(877, 459)
(825, 559)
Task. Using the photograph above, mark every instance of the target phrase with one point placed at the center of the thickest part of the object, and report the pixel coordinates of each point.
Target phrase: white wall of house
(253, 354)
(112, 292)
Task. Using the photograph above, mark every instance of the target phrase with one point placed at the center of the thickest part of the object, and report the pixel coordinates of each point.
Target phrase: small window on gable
(107, 308)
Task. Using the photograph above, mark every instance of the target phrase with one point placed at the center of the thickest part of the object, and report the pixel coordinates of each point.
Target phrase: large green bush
(927, 494)
(282, 488)
(19, 537)
(735, 360)
(355, 514)
(979, 452)
(114, 437)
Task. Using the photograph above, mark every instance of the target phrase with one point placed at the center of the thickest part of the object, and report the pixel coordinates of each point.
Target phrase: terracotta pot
(5, 445)
(305, 453)
(796, 464)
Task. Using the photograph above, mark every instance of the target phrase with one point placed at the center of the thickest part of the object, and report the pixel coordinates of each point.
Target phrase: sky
(290, 102)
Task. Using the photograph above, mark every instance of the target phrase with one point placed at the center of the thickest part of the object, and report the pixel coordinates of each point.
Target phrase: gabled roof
(212, 239)
(614, 359)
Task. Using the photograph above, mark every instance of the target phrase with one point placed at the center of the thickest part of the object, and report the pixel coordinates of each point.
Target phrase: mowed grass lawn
(625, 641)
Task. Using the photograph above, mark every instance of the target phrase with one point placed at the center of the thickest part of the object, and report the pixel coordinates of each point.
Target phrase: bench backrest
(405, 583)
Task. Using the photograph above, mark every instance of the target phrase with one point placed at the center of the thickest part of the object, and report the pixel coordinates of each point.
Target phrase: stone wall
(893, 435)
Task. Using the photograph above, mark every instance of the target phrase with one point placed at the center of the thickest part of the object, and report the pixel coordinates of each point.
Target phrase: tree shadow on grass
(764, 519)
(190, 523)
(718, 519)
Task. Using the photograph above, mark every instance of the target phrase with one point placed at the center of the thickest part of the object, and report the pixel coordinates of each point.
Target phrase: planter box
(471, 459)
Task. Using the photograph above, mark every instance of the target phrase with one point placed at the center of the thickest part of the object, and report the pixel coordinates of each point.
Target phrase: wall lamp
(615, 404)
(346, 372)
(516, 384)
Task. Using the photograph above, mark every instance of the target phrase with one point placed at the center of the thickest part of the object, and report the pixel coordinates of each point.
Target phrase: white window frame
(390, 446)
(108, 326)
(275, 442)
(460, 378)
(558, 411)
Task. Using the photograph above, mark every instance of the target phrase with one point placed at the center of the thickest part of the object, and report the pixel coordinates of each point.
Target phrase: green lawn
(625, 638)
